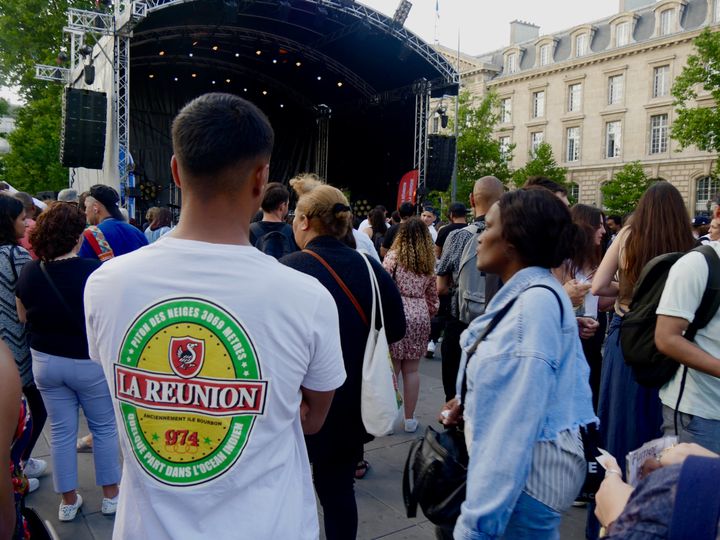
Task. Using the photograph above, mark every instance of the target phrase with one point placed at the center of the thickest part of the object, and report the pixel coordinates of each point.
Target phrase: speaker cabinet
(84, 123)
(440, 162)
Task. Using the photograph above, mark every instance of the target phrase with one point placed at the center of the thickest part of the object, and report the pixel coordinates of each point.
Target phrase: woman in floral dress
(411, 262)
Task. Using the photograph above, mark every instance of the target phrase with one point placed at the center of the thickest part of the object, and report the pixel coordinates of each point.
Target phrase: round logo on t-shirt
(190, 387)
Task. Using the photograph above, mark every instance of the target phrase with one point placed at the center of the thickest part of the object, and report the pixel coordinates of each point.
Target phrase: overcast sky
(484, 26)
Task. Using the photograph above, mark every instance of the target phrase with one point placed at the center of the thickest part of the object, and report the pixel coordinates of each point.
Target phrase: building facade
(599, 94)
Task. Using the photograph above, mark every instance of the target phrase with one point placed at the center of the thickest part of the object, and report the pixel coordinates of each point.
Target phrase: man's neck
(221, 221)
(459, 220)
(274, 217)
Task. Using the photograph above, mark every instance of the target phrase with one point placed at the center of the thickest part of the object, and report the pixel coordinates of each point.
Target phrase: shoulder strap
(59, 295)
(340, 282)
(494, 322)
(697, 506)
(98, 243)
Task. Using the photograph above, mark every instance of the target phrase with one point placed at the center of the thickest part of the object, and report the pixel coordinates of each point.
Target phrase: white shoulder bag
(380, 398)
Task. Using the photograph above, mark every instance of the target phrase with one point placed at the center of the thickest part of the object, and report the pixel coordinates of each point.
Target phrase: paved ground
(379, 494)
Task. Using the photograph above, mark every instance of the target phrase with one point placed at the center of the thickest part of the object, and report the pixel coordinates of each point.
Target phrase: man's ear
(260, 179)
(175, 174)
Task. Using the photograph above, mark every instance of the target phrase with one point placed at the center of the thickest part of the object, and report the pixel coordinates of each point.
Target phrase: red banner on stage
(407, 190)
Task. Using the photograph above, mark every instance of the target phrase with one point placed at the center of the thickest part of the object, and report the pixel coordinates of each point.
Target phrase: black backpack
(274, 243)
(650, 367)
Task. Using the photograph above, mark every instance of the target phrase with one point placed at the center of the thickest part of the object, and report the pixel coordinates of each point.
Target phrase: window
(658, 133)
(536, 139)
(573, 144)
(667, 22)
(505, 111)
(435, 124)
(661, 81)
(706, 190)
(613, 139)
(615, 89)
(574, 192)
(622, 34)
(574, 97)
(581, 45)
(545, 54)
(538, 104)
(511, 63)
(504, 145)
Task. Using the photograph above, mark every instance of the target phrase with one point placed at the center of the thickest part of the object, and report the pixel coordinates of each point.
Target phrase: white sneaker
(430, 351)
(109, 506)
(34, 468)
(33, 484)
(411, 425)
(67, 512)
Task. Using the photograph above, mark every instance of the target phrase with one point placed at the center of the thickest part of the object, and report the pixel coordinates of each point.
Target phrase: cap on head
(109, 198)
(700, 220)
(68, 195)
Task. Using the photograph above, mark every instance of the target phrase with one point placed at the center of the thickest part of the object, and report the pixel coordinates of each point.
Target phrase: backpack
(274, 243)
(650, 367)
(474, 288)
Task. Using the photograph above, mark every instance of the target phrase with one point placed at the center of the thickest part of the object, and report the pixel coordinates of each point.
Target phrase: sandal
(361, 469)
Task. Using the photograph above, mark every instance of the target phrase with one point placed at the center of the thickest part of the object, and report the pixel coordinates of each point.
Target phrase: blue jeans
(692, 429)
(65, 385)
(532, 520)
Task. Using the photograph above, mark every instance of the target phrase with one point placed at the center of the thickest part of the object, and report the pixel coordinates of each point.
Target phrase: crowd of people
(223, 356)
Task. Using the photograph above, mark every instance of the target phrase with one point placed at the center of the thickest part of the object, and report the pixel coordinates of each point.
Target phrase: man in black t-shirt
(458, 219)
(272, 235)
(406, 211)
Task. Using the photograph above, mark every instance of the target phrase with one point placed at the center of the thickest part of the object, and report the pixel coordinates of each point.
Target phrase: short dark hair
(617, 219)
(275, 195)
(216, 131)
(10, 209)
(57, 230)
(457, 209)
(406, 210)
(544, 181)
(539, 225)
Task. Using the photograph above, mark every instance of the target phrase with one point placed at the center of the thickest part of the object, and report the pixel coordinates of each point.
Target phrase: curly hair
(57, 230)
(10, 209)
(325, 205)
(414, 247)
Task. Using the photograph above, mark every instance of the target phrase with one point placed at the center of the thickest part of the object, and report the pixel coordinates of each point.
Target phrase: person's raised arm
(602, 283)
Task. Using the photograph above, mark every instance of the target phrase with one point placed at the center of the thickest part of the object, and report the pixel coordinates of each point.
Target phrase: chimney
(632, 5)
(521, 31)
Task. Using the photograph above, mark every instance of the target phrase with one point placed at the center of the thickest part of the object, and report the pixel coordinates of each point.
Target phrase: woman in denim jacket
(527, 382)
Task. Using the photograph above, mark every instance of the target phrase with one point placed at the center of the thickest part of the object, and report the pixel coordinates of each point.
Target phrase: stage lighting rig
(402, 12)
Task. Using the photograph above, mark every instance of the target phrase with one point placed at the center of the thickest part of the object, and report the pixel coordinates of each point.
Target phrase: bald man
(486, 192)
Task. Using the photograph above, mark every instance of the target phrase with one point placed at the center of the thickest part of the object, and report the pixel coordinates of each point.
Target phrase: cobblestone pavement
(379, 494)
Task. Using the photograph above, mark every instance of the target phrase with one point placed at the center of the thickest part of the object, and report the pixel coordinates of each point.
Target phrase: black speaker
(84, 124)
(440, 162)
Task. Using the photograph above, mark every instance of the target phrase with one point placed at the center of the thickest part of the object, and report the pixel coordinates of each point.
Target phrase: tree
(33, 163)
(699, 124)
(479, 153)
(4, 107)
(542, 163)
(622, 193)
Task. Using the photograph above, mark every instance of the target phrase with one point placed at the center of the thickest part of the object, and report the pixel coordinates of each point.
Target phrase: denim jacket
(527, 382)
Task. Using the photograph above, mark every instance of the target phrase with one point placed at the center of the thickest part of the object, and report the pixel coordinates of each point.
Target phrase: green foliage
(33, 164)
(622, 193)
(695, 124)
(479, 153)
(541, 163)
(4, 107)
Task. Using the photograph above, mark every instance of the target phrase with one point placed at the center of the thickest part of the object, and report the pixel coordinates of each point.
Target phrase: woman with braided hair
(411, 262)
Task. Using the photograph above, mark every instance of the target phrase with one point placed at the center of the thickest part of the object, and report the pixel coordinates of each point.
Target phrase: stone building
(599, 93)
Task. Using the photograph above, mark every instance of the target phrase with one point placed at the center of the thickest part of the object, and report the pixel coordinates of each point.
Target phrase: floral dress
(17, 476)
(420, 302)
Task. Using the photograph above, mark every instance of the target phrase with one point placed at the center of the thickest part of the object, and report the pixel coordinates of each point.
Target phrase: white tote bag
(380, 399)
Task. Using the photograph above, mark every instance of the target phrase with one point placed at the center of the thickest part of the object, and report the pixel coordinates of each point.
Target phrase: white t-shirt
(681, 297)
(364, 224)
(365, 245)
(205, 347)
(433, 232)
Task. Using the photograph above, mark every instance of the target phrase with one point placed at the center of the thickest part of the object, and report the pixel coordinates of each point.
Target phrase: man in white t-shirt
(214, 380)
(699, 418)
